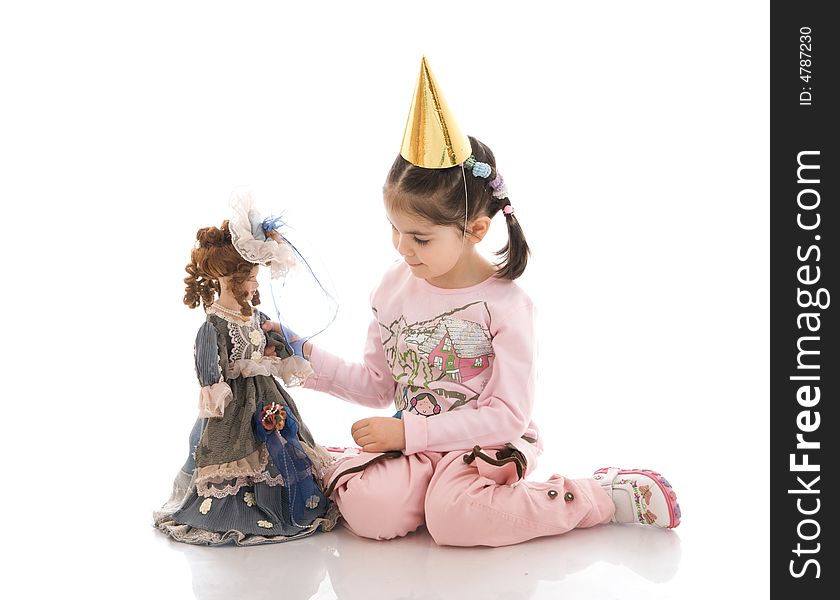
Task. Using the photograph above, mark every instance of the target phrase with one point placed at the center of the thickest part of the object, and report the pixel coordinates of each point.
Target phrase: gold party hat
(432, 138)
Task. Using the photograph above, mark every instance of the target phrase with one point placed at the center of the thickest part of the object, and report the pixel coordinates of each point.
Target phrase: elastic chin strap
(466, 207)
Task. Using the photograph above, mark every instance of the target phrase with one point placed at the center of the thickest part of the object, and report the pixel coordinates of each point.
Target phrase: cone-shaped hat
(432, 138)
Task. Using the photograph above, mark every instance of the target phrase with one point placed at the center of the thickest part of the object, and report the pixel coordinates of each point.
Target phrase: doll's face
(250, 286)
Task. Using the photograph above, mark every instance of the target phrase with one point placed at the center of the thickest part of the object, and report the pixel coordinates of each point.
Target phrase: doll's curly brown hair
(213, 257)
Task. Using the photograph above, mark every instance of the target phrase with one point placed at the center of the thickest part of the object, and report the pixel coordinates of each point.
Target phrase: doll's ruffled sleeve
(215, 394)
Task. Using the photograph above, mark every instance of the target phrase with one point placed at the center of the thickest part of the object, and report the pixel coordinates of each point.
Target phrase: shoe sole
(674, 511)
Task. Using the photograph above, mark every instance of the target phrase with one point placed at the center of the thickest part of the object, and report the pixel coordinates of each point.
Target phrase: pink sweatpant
(462, 504)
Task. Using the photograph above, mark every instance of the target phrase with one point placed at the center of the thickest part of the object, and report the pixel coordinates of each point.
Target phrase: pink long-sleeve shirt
(458, 364)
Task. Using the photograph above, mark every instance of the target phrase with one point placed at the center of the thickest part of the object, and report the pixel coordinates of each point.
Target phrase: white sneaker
(640, 496)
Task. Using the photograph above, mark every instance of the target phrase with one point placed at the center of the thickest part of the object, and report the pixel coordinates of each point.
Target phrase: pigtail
(514, 255)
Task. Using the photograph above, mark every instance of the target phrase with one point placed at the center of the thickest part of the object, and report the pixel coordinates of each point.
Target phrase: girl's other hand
(379, 434)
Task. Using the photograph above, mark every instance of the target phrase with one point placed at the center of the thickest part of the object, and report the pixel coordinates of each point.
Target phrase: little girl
(452, 345)
(254, 471)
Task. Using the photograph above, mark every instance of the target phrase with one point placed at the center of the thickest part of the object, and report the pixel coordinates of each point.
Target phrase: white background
(634, 138)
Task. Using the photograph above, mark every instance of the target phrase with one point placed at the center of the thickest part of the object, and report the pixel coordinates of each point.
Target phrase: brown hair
(437, 195)
(213, 257)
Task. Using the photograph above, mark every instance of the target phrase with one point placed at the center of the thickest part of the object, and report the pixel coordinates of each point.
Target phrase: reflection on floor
(599, 562)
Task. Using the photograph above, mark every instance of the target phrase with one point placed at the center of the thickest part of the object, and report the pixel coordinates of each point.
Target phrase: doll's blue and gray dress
(253, 472)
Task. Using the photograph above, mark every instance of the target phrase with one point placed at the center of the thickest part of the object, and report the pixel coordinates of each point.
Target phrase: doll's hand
(268, 327)
(272, 326)
(379, 434)
(292, 338)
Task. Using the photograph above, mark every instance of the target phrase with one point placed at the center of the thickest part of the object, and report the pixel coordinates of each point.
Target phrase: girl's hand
(379, 434)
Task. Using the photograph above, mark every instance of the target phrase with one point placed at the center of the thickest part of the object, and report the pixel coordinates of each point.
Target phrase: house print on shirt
(437, 349)
(461, 349)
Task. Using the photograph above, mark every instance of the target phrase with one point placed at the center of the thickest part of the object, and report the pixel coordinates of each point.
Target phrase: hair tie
(498, 186)
(478, 169)
(508, 209)
(483, 170)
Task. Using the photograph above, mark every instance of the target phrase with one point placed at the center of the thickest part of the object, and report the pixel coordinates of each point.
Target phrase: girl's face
(429, 250)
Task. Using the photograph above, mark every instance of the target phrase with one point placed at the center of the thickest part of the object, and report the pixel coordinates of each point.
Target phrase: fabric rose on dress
(273, 417)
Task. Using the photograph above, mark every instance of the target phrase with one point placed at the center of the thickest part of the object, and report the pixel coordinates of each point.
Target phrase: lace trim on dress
(240, 344)
(245, 333)
(249, 466)
(194, 535)
(208, 490)
(213, 399)
(292, 370)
